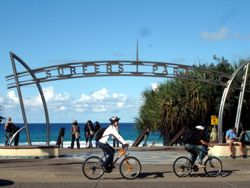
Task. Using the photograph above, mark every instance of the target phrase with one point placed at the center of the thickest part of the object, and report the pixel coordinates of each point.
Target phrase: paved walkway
(156, 172)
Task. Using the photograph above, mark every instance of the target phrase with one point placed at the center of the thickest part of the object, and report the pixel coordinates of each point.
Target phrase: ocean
(38, 134)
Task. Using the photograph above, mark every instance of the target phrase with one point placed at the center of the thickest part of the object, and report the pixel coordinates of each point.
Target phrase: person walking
(75, 132)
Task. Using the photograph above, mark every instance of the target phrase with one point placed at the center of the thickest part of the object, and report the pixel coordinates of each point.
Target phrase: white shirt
(111, 131)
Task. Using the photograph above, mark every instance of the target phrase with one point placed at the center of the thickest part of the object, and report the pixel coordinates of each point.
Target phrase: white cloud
(12, 96)
(222, 33)
(101, 94)
(100, 101)
(154, 86)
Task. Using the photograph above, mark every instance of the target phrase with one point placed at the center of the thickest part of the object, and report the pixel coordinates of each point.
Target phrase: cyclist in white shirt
(103, 142)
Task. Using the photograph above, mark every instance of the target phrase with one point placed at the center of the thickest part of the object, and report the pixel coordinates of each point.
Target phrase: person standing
(97, 128)
(75, 132)
(9, 131)
(213, 135)
(89, 133)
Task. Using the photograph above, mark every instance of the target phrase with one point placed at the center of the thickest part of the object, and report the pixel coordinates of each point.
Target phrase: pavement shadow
(5, 182)
(151, 175)
(64, 164)
(224, 173)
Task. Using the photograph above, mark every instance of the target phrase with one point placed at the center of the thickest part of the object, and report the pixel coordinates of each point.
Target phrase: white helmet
(114, 118)
(200, 127)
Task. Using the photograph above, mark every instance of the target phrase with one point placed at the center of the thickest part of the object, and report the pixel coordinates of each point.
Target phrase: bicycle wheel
(92, 167)
(213, 166)
(182, 166)
(130, 167)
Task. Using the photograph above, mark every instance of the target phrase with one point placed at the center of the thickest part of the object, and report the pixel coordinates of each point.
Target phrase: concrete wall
(29, 152)
(224, 151)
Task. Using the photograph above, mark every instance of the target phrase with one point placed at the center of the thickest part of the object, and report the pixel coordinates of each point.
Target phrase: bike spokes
(130, 167)
(213, 166)
(182, 167)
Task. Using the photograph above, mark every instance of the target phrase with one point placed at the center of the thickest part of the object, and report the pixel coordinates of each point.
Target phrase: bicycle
(183, 166)
(130, 167)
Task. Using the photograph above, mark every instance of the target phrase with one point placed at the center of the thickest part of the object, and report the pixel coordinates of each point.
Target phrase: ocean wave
(67, 144)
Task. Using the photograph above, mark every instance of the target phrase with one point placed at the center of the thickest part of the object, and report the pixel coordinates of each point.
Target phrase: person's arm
(118, 136)
(227, 135)
(203, 142)
(6, 125)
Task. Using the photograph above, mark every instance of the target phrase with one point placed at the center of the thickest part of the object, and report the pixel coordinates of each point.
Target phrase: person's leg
(190, 148)
(86, 139)
(72, 141)
(90, 142)
(78, 143)
(202, 153)
(117, 143)
(7, 137)
(110, 151)
(241, 148)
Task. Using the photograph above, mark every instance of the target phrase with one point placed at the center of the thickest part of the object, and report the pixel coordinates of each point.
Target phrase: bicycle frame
(122, 152)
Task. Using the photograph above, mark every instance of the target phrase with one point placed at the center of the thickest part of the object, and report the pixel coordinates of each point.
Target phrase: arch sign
(98, 69)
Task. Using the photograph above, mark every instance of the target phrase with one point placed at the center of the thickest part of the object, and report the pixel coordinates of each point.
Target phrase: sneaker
(232, 156)
(201, 166)
(243, 156)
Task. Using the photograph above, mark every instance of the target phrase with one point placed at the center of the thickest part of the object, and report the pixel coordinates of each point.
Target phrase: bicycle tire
(92, 167)
(130, 167)
(213, 166)
(182, 166)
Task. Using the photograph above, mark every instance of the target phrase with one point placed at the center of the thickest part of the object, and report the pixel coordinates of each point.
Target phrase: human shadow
(224, 173)
(151, 175)
(5, 182)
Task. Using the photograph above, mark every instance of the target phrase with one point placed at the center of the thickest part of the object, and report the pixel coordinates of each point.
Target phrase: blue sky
(53, 32)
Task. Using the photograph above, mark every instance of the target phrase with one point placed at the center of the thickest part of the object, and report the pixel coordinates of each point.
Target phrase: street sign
(214, 120)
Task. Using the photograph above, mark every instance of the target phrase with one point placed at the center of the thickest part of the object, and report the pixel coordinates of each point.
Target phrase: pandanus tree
(181, 103)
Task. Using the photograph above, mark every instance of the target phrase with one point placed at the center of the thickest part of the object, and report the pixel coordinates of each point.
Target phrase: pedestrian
(89, 133)
(9, 131)
(97, 128)
(213, 135)
(75, 132)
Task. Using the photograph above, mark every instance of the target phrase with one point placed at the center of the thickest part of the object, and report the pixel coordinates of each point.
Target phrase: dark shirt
(10, 128)
(196, 138)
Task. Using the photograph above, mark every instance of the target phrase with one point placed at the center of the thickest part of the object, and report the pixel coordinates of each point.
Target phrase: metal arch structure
(109, 68)
(243, 67)
(14, 57)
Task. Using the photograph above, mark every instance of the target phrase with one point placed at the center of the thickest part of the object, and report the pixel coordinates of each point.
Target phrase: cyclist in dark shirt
(197, 145)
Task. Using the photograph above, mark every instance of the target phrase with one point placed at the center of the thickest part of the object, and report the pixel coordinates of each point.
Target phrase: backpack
(187, 135)
(99, 133)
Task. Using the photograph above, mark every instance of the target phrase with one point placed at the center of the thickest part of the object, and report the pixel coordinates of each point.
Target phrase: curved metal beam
(223, 101)
(15, 134)
(14, 56)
